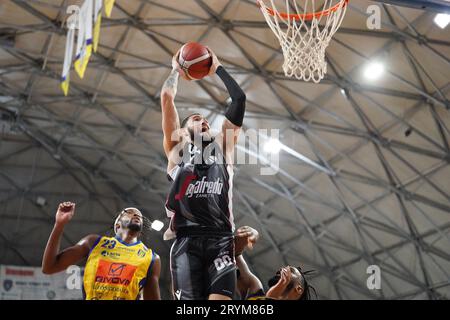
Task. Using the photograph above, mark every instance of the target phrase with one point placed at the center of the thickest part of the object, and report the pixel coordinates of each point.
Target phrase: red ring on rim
(306, 16)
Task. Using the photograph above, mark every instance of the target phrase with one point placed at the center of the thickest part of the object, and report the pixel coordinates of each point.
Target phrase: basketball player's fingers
(183, 74)
(288, 274)
(66, 205)
(253, 231)
(175, 63)
(239, 233)
(213, 55)
(253, 237)
(215, 62)
(283, 278)
(243, 233)
(242, 229)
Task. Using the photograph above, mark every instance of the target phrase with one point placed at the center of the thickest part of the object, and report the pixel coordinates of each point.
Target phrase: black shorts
(202, 265)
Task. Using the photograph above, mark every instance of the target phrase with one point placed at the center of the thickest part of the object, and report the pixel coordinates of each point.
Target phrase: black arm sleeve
(236, 110)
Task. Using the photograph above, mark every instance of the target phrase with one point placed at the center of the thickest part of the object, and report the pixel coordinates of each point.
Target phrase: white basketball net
(304, 40)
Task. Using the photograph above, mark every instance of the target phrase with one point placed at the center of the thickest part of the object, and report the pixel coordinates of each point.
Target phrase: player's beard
(135, 227)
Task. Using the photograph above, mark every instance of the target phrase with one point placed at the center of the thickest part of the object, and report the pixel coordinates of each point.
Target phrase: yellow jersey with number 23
(116, 270)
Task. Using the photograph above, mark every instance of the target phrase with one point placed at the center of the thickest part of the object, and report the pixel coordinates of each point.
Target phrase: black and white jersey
(200, 197)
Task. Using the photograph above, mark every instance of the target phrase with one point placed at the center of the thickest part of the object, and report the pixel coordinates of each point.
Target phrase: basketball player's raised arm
(170, 120)
(234, 115)
(151, 289)
(248, 283)
(55, 260)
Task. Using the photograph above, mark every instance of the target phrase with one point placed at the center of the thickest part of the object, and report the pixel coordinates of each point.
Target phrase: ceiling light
(157, 225)
(442, 20)
(5, 99)
(272, 146)
(41, 201)
(344, 92)
(374, 70)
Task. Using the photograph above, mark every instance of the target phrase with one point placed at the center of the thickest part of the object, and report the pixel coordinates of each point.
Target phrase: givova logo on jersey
(114, 273)
(204, 188)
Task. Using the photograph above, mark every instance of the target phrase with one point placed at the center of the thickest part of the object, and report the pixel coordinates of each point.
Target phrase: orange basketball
(195, 60)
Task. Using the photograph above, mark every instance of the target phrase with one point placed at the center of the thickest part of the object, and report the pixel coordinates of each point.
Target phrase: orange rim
(307, 16)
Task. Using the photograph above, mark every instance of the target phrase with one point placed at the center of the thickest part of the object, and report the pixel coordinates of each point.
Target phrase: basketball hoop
(304, 33)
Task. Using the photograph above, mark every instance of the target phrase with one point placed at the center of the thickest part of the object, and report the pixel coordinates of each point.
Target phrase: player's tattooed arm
(170, 119)
(171, 83)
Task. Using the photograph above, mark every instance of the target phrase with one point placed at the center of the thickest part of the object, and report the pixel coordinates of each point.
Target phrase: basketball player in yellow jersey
(117, 268)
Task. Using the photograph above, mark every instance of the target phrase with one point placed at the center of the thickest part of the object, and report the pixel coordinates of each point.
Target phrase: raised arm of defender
(248, 284)
(55, 260)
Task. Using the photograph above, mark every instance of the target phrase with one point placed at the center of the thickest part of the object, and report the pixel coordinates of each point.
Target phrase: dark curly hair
(308, 290)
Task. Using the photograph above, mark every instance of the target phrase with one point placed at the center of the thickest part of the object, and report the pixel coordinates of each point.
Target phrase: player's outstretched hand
(276, 292)
(245, 237)
(65, 213)
(176, 65)
(215, 62)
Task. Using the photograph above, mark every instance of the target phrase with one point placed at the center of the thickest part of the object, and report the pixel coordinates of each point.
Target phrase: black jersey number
(223, 262)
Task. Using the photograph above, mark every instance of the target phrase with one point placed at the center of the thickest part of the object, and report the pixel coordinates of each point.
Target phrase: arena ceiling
(374, 190)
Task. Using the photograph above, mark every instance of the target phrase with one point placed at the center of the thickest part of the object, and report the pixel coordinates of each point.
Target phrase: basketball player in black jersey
(200, 198)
